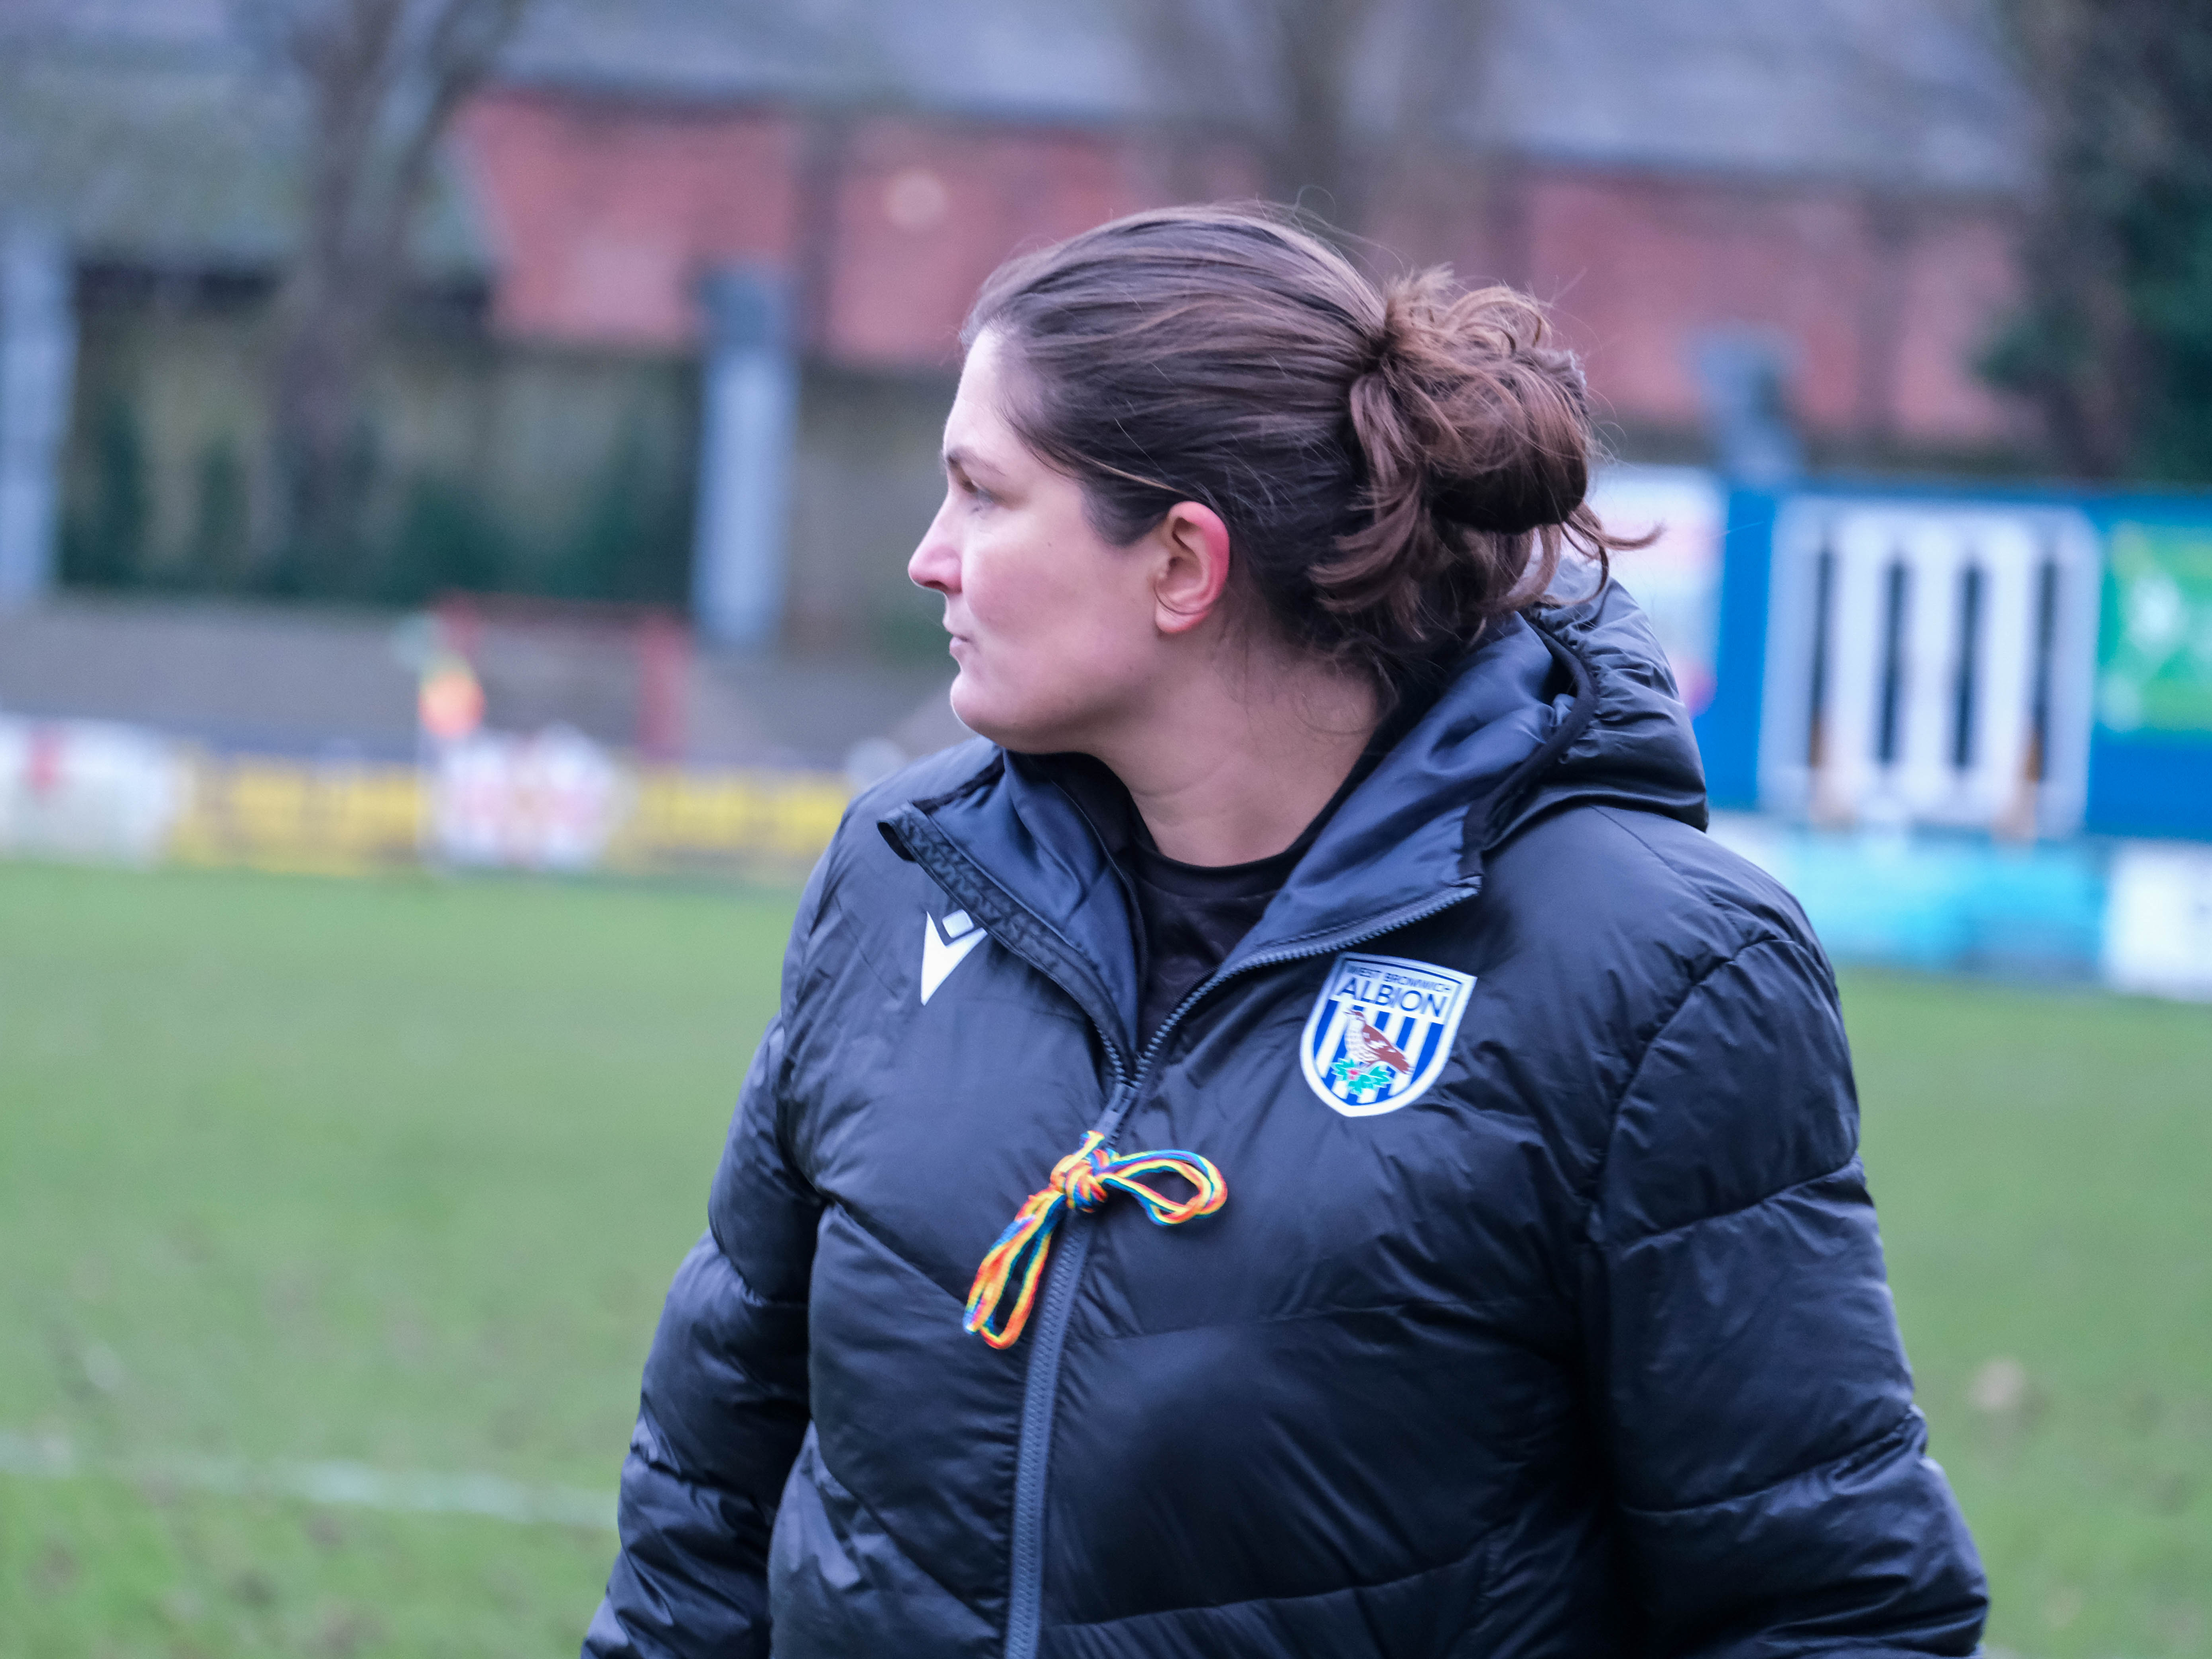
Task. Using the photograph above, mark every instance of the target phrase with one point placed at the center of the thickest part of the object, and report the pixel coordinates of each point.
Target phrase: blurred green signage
(2154, 640)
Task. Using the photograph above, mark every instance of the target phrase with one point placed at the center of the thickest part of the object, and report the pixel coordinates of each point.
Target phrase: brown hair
(1398, 465)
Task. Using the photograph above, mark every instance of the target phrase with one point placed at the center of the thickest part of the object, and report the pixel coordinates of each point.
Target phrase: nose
(936, 562)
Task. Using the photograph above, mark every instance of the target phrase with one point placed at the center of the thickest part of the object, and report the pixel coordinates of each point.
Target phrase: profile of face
(1061, 637)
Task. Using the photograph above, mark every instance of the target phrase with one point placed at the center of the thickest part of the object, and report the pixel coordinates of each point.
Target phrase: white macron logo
(945, 946)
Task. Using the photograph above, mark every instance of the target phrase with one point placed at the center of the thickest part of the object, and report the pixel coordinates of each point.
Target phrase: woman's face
(1055, 628)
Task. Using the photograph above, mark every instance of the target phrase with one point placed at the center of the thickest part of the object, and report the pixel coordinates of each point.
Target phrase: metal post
(750, 419)
(664, 661)
(1744, 375)
(38, 353)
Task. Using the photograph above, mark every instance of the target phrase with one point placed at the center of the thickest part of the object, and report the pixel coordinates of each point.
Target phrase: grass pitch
(394, 1173)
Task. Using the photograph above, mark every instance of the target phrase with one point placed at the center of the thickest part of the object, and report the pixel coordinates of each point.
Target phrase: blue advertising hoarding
(2105, 646)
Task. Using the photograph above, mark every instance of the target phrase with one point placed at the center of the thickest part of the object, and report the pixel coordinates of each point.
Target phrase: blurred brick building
(1837, 178)
(1842, 174)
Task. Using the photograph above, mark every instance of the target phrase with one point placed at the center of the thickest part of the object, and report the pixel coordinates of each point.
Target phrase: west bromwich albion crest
(1380, 1031)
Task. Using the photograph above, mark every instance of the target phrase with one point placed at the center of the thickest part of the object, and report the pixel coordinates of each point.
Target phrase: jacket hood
(1634, 747)
(1553, 709)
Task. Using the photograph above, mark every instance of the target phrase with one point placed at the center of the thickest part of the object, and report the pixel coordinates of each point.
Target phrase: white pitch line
(357, 1484)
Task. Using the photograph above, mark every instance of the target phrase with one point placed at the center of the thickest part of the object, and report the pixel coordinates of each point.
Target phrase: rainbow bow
(1083, 1180)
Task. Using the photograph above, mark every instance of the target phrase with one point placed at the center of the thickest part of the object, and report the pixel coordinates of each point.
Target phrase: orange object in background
(450, 704)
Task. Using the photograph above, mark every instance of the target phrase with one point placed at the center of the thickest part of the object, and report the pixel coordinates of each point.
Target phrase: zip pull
(1083, 1180)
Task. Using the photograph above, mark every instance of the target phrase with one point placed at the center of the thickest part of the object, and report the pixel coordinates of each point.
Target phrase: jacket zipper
(1048, 1337)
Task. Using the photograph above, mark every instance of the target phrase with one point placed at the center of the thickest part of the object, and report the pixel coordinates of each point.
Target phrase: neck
(1233, 769)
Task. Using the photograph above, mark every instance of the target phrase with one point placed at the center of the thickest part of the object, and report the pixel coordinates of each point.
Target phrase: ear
(1192, 568)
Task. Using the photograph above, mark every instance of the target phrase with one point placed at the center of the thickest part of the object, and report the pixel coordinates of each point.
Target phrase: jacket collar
(1562, 707)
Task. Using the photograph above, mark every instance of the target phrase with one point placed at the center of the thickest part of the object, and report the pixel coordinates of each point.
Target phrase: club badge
(1380, 1031)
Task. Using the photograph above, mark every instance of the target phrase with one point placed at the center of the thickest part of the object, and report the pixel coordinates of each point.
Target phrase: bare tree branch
(382, 80)
(1334, 101)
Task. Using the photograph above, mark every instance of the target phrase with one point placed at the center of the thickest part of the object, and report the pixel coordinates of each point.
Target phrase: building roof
(1903, 93)
(156, 126)
(1002, 59)
(1915, 93)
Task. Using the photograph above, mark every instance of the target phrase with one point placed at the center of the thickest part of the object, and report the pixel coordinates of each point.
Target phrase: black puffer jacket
(1558, 1329)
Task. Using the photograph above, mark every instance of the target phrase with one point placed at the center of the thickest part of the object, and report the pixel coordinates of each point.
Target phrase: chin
(1005, 734)
(984, 715)
(974, 711)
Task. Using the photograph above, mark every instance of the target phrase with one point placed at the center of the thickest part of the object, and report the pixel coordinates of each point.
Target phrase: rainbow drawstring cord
(1083, 1180)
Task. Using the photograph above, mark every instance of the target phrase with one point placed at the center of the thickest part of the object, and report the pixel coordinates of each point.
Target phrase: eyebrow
(966, 461)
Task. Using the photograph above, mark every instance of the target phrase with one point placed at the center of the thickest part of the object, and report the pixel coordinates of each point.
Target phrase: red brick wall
(1884, 307)
(925, 212)
(1958, 281)
(604, 215)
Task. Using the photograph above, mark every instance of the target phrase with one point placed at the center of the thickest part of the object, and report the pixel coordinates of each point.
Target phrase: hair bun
(1475, 433)
(1507, 416)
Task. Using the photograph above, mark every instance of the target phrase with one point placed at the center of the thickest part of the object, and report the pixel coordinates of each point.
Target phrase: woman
(1317, 892)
